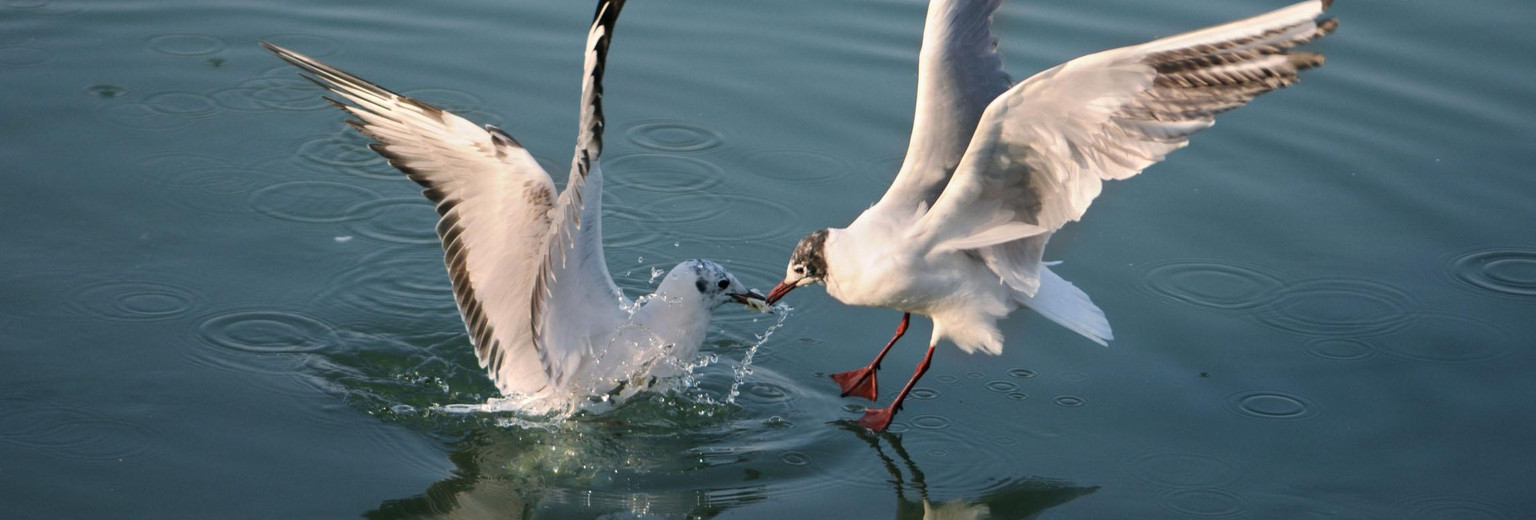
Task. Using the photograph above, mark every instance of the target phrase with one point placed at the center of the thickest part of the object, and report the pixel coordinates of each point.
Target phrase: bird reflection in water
(524, 474)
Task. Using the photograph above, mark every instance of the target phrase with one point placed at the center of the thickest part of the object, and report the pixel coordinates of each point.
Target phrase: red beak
(779, 291)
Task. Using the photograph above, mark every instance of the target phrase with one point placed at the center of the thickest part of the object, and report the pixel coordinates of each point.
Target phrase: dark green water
(217, 304)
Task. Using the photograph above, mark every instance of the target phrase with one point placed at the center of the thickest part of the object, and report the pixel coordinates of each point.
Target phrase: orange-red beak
(779, 291)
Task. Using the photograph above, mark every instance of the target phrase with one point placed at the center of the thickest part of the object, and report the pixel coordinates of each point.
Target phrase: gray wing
(494, 201)
(959, 72)
(1042, 150)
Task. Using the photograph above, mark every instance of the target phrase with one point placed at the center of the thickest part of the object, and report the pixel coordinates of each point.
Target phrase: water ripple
(1183, 470)
(396, 220)
(309, 44)
(796, 166)
(1208, 503)
(663, 173)
(313, 201)
(1461, 508)
(1338, 306)
(1340, 349)
(672, 136)
(1222, 286)
(134, 300)
(186, 45)
(1069, 401)
(1448, 339)
(74, 434)
(17, 56)
(1503, 271)
(394, 282)
(1275, 405)
(268, 332)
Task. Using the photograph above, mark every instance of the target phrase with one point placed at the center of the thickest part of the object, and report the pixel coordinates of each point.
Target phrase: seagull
(527, 267)
(993, 169)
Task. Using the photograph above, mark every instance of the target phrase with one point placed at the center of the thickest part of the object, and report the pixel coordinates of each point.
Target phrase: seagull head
(807, 265)
(711, 282)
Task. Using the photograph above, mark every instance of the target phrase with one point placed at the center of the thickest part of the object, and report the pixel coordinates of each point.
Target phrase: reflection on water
(610, 467)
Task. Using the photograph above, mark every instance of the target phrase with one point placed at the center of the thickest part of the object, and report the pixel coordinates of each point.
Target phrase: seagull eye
(723, 284)
(799, 269)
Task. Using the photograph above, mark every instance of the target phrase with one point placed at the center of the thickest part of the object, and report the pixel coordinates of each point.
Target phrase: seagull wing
(575, 302)
(1043, 148)
(494, 201)
(959, 72)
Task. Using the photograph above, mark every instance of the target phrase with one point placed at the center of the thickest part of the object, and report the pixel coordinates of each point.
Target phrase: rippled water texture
(218, 302)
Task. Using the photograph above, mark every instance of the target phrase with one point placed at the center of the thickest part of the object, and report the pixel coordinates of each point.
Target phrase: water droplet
(924, 393)
(1183, 470)
(1340, 349)
(135, 300)
(1002, 386)
(1271, 404)
(1018, 396)
(107, 91)
(268, 332)
(795, 458)
(1502, 271)
(1021, 373)
(1070, 401)
(186, 44)
(1458, 508)
(672, 136)
(1338, 306)
(930, 422)
(796, 166)
(1221, 286)
(19, 57)
(313, 201)
(1208, 503)
(1448, 339)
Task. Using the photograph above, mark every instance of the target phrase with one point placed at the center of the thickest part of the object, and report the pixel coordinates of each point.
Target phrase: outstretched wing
(495, 203)
(575, 302)
(959, 72)
(1042, 149)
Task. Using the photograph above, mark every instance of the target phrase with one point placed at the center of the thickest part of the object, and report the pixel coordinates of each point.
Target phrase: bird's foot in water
(876, 419)
(857, 383)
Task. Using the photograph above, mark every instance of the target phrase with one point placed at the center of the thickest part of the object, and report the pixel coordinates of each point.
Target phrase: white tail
(1068, 306)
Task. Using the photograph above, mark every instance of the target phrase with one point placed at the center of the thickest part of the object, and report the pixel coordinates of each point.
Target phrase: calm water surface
(216, 303)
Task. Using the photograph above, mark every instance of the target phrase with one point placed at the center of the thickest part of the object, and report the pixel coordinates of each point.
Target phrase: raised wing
(495, 203)
(959, 72)
(575, 302)
(1042, 149)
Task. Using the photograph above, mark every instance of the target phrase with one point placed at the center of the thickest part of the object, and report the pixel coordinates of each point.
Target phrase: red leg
(878, 419)
(861, 382)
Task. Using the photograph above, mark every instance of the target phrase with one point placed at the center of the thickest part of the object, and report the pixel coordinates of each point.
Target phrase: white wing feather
(959, 72)
(1042, 149)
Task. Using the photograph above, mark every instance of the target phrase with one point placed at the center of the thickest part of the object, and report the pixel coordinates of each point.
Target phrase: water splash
(744, 369)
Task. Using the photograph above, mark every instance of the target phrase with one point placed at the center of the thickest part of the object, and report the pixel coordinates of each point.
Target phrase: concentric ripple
(1183, 470)
(1448, 339)
(309, 44)
(346, 150)
(394, 282)
(141, 116)
(672, 136)
(699, 215)
(268, 332)
(396, 220)
(796, 166)
(313, 201)
(1459, 508)
(1221, 286)
(182, 104)
(1338, 306)
(663, 173)
(21, 57)
(135, 300)
(1340, 349)
(269, 94)
(73, 434)
(186, 45)
(1207, 503)
(1274, 405)
(1503, 271)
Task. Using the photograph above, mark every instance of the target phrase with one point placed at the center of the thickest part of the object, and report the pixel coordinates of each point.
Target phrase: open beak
(752, 299)
(779, 291)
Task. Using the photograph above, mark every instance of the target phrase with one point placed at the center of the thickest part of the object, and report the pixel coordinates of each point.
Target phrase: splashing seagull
(992, 170)
(527, 267)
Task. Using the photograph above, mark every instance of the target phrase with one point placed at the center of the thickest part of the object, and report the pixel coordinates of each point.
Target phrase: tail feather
(1065, 304)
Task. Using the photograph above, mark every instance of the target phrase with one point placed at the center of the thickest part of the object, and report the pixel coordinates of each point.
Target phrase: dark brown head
(807, 265)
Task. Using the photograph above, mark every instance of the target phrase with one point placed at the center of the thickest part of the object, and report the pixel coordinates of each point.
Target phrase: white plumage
(992, 169)
(526, 264)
